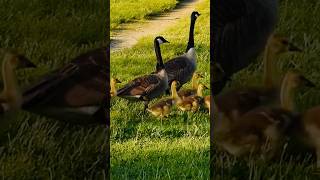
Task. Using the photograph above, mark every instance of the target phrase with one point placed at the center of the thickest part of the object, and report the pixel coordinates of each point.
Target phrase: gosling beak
(200, 75)
(205, 87)
(26, 62)
(118, 81)
(294, 48)
(307, 82)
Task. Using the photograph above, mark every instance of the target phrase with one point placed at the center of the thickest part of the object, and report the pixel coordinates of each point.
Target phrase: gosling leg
(145, 105)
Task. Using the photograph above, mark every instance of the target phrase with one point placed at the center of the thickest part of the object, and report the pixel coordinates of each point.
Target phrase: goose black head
(195, 15)
(161, 40)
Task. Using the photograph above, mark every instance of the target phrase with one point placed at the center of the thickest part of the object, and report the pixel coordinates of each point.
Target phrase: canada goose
(189, 92)
(240, 31)
(11, 96)
(113, 90)
(238, 101)
(262, 129)
(148, 87)
(162, 108)
(181, 68)
(76, 93)
(190, 103)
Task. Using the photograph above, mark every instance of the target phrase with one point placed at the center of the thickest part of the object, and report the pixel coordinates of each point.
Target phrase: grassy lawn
(50, 33)
(144, 147)
(300, 22)
(123, 11)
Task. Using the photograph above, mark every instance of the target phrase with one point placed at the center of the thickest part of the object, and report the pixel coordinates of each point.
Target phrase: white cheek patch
(197, 15)
(160, 41)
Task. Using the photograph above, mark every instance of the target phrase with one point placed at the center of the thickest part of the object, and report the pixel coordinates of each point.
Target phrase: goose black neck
(191, 33)
(158, 54)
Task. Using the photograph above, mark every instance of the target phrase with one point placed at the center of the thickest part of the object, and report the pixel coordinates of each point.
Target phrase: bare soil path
(129, 34)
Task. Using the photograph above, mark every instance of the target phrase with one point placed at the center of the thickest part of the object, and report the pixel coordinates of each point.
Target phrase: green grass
(124, 11)
(300, 22)
(144, 147)
(50, 33)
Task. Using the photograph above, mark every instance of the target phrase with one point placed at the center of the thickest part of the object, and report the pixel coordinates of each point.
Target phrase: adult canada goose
(240, 30)
(148, 87)
(113, 90)
(162, 108)
(238, 101)
(11, 96)
(195, 83)
(75, 93)
(181, 68)
(262, 129)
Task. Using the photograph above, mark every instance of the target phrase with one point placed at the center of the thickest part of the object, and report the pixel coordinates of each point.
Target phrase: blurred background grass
(299, 21)
(51, 33)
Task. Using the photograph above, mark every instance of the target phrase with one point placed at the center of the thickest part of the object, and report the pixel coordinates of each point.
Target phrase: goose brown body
(75, 93)
(148, 87)
(181, 68)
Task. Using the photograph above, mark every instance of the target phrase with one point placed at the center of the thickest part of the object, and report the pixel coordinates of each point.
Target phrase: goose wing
(179, 69)
(82, 82)
(140, 86)
(241, 29)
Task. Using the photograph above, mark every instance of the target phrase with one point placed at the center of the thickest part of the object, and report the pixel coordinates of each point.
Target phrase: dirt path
(129, 34)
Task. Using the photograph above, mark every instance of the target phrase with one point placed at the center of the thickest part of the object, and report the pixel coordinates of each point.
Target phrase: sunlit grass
(143, 146)
(123, 11)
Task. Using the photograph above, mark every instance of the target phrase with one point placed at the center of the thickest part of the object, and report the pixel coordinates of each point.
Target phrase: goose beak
(26, 62)
(294, 48)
